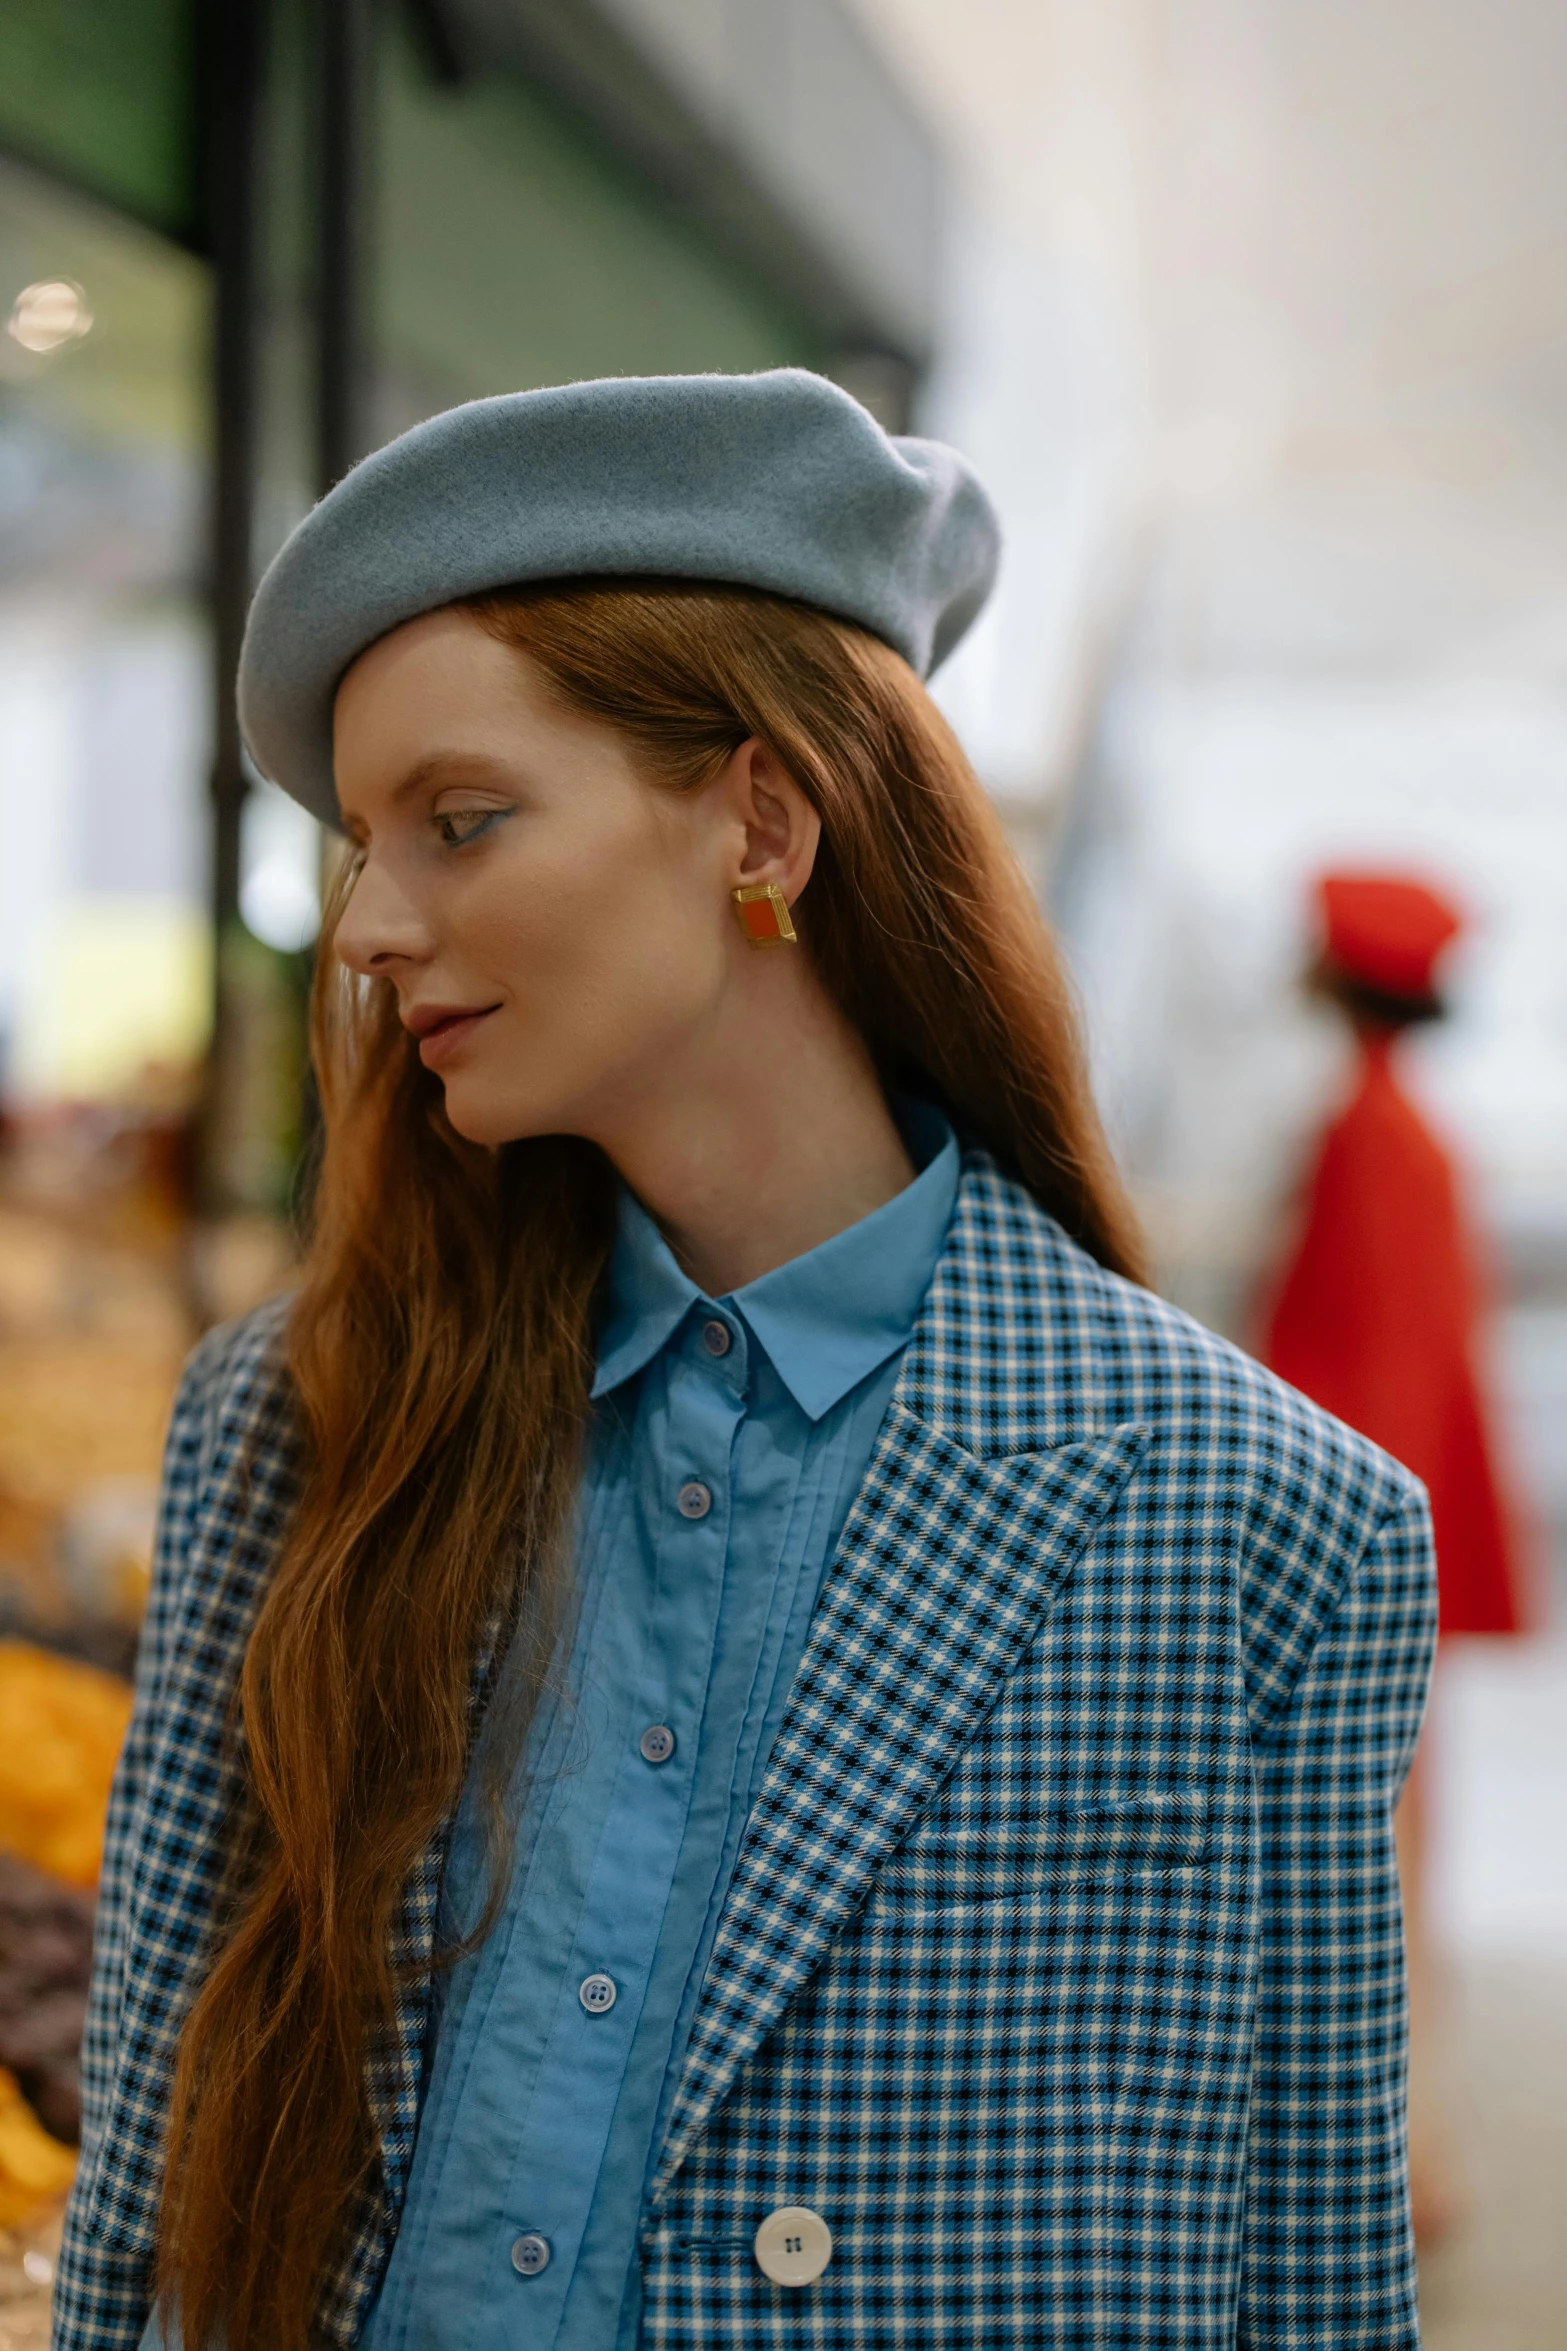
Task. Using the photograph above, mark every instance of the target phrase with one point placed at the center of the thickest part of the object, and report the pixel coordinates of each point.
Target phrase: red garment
(1377, 1320)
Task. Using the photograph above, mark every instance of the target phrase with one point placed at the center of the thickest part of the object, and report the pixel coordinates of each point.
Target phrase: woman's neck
(773, 1137)
(1377, 1041)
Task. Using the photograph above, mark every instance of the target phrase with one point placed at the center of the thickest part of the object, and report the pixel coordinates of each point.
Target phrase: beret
(778, 481)
(1386, 930)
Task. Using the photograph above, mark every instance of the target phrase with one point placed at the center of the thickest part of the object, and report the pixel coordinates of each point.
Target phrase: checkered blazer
(1061, 1969)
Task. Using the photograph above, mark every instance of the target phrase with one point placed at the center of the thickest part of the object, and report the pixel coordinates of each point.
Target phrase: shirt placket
(686, 1501)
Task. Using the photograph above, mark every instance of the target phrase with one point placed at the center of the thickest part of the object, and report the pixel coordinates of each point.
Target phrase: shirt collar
(826, 1319)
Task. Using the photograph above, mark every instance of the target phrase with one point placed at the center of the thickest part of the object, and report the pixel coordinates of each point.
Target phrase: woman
(740, 1737)
(1380, 1316)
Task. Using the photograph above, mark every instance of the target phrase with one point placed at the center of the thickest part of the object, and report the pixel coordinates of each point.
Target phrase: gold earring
(763, 913)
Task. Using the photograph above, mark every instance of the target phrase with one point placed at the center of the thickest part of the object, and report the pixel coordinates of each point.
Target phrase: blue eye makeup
(463, 825)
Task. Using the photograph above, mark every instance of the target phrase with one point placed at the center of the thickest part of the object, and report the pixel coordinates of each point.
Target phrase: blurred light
(280, 870)
(46, 315)
(123, 988)
(279, 907)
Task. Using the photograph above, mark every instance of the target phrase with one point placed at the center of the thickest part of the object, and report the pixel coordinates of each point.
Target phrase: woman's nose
(380, 930)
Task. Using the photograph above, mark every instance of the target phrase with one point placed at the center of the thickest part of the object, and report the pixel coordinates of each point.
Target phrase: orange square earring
(763, 911)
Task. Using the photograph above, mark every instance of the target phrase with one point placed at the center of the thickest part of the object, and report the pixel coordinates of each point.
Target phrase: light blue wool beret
(778, 481)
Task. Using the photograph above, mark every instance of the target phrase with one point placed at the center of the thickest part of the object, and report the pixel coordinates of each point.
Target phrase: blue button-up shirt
(729, 1438)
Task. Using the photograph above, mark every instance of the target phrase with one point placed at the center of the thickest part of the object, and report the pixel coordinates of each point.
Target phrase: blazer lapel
(944, 1573)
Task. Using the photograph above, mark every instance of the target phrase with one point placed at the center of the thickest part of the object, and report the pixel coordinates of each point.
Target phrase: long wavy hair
(440, 1351)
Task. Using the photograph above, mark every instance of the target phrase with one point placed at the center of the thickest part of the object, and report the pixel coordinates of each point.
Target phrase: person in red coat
(1378, 1317)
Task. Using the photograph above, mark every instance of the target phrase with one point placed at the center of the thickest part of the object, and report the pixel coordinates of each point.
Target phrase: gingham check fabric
(1061, 1969)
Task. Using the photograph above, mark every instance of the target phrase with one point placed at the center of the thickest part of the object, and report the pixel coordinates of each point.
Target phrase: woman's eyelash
(458, 826)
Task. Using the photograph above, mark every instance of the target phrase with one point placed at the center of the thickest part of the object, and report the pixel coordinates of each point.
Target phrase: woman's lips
(438, 1044)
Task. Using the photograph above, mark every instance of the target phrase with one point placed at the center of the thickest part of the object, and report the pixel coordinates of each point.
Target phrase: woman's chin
(478, 1117)
(489, 1121)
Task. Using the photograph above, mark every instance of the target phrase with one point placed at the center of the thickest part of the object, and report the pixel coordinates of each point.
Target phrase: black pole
(344, 125)
(237, 32)
(236, 36)
(345, 134)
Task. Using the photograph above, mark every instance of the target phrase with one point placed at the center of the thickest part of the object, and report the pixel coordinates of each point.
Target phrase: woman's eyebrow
(460, 766)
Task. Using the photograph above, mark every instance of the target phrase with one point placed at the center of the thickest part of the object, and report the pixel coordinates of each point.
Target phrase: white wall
(1259, 329)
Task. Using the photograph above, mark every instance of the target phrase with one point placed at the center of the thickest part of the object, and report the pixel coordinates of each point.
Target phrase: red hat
(1385, 932)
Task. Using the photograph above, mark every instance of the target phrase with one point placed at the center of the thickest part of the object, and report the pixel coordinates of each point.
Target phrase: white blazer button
(597, 1994)
(793, 2245)
(694, 1500)
(530, 2254)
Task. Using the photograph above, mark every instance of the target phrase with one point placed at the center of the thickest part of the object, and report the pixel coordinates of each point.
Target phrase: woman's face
(558, 930)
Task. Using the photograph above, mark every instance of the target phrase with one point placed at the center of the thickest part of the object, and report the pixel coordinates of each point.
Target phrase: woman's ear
(775, 829)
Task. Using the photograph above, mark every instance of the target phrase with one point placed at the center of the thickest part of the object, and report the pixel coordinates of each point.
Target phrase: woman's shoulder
(1269, 1502)
(233, 1415)
(236, 1362)
(228, 1491)
(236, 1370)
(1207, 1398)
(1069, 1349)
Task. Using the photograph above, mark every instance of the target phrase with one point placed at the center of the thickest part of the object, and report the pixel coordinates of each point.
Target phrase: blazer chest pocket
(1139, 1838)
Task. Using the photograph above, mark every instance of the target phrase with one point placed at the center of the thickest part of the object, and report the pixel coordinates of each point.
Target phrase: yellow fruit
(33, 2167)
(63, 1725)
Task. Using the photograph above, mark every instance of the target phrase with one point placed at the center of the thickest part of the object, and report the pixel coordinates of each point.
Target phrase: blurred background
(1253, 313)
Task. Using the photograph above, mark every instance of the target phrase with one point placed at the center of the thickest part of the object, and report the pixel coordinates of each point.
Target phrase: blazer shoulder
(234, 1376)
(1198, 1390)
(1307, 1499)
(231, 1438)
(1036, 1345)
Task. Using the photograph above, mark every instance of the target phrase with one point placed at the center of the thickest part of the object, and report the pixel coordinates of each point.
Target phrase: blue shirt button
(530, 2254)
(693, 1500)
(715, 1337)
(597, 1994)
(657, 1743)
